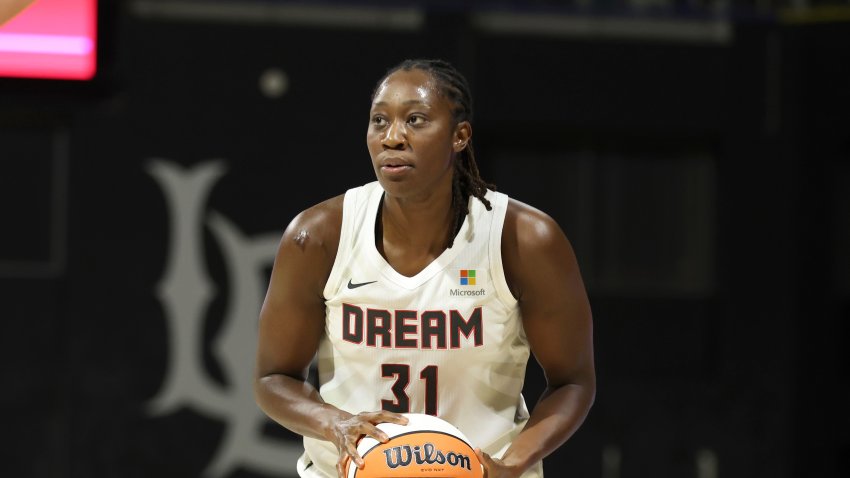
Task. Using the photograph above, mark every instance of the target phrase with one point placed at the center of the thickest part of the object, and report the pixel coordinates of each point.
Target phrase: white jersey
(448, 341)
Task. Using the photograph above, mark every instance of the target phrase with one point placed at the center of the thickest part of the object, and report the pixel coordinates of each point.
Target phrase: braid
(466, 180)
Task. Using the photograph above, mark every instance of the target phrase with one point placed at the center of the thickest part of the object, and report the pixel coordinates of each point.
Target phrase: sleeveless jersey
(448, 341)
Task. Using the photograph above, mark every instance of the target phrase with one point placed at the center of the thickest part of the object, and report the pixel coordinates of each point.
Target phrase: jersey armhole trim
(345, 238)
(500, 208)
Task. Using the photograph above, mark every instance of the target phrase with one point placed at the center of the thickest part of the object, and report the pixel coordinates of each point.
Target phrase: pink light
(51, 39)
(55, 44)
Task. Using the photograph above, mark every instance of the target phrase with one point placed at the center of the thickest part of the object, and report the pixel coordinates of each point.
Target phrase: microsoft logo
(467, 277)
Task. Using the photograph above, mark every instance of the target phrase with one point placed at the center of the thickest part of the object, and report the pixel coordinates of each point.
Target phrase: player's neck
(421, 225)
(410, 235)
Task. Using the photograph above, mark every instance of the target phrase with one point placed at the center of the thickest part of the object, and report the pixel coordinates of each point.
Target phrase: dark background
(701, 176)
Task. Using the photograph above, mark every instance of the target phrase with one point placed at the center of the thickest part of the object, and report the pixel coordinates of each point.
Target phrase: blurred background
(696, 152)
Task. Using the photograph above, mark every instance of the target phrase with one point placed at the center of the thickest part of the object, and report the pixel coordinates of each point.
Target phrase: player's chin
(394, 186)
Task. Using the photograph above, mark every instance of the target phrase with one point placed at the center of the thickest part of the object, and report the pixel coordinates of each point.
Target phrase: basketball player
(10, 8)
(424, 292)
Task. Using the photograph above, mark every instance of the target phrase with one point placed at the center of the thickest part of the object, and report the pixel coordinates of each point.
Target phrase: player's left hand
(495, 468)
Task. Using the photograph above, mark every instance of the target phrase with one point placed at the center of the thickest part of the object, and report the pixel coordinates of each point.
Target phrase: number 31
(401, 373)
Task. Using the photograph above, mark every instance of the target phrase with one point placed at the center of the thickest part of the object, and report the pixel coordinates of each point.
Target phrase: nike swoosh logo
(354, 286)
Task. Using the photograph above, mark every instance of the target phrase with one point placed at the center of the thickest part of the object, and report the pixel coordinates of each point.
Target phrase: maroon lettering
(474, 327)
(378, 326)
(433, 327)
(352, 332)
(403, 329)
(406, 329)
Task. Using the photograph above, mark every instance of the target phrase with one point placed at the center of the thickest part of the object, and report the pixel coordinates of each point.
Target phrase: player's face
(412, 136)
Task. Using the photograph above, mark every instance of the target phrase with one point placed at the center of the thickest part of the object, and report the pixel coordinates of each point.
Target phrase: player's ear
(462, 135)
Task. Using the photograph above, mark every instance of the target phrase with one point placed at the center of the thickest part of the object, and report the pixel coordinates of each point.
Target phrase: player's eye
(379, 121)
(416, 120)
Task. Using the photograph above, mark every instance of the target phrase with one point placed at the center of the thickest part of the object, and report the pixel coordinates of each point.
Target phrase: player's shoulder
(317, 226)
(532, 241)
(528, 227)
(327, 211)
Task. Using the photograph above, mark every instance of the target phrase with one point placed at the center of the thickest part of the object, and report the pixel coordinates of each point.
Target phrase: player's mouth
(395, 166)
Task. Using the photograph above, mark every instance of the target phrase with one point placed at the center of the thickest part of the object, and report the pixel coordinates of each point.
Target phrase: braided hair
(466, 180)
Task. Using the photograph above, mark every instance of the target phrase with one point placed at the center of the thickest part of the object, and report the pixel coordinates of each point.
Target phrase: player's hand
(346, 433)
(495, 468)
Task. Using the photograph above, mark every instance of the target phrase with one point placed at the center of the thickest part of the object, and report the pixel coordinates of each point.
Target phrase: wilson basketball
(426, 447)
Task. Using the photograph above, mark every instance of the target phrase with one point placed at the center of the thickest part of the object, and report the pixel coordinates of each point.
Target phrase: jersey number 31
(401, 373)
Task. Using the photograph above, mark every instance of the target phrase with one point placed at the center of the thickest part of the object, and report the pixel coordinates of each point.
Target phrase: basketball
(427, 447)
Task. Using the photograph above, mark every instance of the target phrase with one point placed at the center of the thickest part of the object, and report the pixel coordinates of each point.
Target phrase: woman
(423, 292)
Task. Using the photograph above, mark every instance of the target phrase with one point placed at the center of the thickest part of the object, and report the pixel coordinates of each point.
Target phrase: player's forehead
(407, 86)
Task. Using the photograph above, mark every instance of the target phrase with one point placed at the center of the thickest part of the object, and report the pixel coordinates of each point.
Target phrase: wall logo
(185, 292)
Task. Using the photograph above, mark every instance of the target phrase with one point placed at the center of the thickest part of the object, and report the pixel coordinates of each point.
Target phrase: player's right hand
(346, 433)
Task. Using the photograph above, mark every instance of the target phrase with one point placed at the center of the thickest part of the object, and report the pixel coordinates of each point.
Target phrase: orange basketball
(426, 447)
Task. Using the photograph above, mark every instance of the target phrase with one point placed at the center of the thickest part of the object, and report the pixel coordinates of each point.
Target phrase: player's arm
(544, 276)
(292, 322)
(10, 8)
